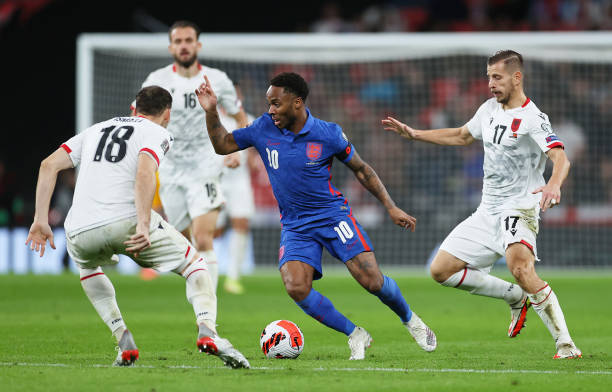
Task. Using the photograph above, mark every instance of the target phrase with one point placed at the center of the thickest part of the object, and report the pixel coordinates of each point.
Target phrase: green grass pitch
(52, 339)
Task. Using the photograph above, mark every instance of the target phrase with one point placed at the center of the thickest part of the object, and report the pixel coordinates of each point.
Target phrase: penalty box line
(330, 369)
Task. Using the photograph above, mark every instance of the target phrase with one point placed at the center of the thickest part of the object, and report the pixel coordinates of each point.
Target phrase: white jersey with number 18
(107, 157)
(515, 142)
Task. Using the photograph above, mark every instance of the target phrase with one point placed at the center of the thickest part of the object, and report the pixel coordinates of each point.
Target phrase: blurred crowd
(446, 92)
(425, 93)
(467, 15)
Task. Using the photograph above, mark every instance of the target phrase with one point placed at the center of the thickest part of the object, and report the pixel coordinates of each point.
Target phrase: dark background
(38, 46)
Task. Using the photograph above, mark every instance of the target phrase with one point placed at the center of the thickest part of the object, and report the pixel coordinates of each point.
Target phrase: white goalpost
(430, 80)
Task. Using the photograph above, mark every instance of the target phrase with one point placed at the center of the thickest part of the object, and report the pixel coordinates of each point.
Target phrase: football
(282, 339)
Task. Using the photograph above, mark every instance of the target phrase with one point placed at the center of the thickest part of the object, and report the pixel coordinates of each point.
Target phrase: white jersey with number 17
(107, 157)
(515, 142)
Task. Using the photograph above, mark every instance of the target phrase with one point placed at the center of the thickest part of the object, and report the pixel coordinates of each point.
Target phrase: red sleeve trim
(65, 147)
(556, 144)
(153, 154)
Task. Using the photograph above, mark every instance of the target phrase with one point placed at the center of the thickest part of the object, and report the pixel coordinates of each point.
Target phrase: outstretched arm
(551, 192)
(445, 136)
(222, 141)
(369, 179)
(40, 231)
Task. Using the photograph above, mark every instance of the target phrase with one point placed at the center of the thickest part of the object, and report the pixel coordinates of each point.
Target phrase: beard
(186, 63)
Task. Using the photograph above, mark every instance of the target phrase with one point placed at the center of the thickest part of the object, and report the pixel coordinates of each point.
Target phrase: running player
(111, 214)
(517, 139)
(189, 180)
(298, 150)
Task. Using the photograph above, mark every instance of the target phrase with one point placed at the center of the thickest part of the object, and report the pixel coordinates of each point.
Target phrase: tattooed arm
(222, 141)
(369, 179)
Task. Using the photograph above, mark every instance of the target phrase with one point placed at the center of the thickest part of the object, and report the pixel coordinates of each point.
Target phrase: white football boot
(421, 333)
(222, 348)
(359, 340)
(567, 351)
(518, 314)
(127, 350)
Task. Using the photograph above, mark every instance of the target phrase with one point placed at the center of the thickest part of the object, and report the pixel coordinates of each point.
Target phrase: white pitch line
(332, 369)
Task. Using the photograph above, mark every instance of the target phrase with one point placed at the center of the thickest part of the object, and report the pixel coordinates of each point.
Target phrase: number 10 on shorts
(344, 231)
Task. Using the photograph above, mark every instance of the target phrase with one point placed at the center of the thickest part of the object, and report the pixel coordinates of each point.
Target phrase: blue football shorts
(342, 236)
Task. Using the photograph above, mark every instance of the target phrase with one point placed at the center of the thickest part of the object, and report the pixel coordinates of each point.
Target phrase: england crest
(313, 151)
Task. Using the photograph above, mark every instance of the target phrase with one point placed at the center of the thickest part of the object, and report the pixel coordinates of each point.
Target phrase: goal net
(426, 80)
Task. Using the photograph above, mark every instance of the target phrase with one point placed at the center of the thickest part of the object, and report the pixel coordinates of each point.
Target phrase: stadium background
(440, 186)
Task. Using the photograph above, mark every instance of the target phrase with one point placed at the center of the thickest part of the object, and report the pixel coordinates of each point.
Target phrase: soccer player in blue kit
(298, 150)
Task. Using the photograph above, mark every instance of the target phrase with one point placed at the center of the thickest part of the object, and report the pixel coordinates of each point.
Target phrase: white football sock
(213, 267)
(479, 283)
(237, 245)
(546, 305)
(101, 294)
(200, 294)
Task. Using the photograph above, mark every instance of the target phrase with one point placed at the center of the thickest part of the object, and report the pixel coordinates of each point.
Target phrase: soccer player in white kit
(239, 209)
(517, 139)
(189, 179)
(111, 214)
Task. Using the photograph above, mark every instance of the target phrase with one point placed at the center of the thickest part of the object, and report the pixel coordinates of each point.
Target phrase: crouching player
(111, 214)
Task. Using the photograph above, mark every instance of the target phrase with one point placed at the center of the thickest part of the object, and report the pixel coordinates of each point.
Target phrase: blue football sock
(320, 308)
(391, 296)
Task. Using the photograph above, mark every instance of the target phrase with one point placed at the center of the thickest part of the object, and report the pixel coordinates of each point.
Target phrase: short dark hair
(509, 57)
(292, 83)
(182, 24)
(153, 100)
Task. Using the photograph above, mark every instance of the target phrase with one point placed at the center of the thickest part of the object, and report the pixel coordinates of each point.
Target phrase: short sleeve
(227, 96)
(474, 126)
(542, 133)
(156, 143)
(74, 147)
(342, 148)
(245, 137)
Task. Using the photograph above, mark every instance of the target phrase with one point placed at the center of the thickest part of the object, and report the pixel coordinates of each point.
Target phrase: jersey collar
(308, 125)
(174, 67)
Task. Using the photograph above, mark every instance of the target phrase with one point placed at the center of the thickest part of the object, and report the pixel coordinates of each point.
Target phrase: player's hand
(38, 235)
(551, 196)
(232, 160)
(206, 96)
(400, 218)
(391, 124)
(139, 241)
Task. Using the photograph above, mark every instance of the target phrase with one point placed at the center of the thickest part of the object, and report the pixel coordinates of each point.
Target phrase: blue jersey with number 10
(299, 166)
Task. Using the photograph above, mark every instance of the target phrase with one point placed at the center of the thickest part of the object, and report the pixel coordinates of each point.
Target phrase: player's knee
(438, 274)
(298, 291)
(374, 284)
(203, 241)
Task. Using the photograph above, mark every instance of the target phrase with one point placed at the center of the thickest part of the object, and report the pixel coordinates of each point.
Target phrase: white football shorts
(169, 250)
(481, 239)
(186, 201)
(238, 193)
